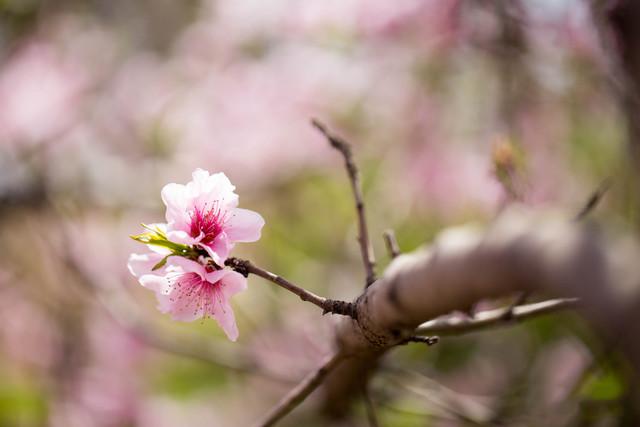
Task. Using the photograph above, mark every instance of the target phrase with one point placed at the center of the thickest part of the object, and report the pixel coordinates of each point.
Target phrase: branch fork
(429, 284)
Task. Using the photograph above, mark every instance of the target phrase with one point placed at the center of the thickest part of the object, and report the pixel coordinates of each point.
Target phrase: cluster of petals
(202, 214)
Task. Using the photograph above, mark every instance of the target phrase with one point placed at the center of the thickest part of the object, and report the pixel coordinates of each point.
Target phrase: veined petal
(232, 283)
(175, 197)
(158, 284)
(188, 298)
(179, 236)
(203, 182)
(187, 266)
(183, 310)
(209, 190)
(215, 275)
(224, 316)
(219, 249)
(244, 225)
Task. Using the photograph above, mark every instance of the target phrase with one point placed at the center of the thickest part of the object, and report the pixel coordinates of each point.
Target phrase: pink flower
(189, 290)
(203, 213)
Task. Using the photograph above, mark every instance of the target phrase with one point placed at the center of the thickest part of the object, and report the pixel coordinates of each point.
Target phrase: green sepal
(156, 237)
(161, 263)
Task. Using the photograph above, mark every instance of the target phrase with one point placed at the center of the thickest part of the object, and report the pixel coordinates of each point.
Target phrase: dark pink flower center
(189, 291)
(207, 222)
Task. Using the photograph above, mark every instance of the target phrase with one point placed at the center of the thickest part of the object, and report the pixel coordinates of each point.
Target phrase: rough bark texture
(519, 252)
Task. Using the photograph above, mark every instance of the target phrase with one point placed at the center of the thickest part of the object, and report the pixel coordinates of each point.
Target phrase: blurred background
(454, 108)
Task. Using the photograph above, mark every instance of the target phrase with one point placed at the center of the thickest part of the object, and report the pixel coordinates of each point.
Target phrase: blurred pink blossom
(453, 178)
(27, 334)
(105, 391)
(40, 93)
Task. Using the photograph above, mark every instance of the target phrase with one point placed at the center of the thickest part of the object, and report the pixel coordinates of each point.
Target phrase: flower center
(207, 222)
(192, 293)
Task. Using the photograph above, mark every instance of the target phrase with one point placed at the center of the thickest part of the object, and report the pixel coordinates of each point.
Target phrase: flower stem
(245, 267)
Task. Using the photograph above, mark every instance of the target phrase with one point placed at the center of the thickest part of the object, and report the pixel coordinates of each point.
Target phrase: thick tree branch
(519, 252)
(327, 305)
(296, 396)
(344, 148)
(591, 203)
(492, 318)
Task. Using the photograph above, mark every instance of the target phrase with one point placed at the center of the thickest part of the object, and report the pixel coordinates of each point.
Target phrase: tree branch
(593, 200)
(492, 318)
(591, 203)
(296, 396)
(392, 244)
(245, 267)
(344, 148)
(519, 252)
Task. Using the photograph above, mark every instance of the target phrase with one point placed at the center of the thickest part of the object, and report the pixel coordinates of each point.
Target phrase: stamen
(198, 293)
(208, 221)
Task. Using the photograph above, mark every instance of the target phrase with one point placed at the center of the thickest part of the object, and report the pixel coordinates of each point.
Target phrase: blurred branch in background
(296, 396)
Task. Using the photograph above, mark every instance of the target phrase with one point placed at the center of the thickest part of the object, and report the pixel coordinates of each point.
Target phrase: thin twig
(296, 396)
(520, 299)
(589, 206)
(392, 244)
(344, 148)
(593, 200)
(433, 340)
(492, 318)
(444, 402)
(327, 305)
(369, 406)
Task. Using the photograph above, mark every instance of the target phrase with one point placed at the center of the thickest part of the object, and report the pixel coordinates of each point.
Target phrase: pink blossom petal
(216, 275)
(183, 237)
(209, 190)
(175, 197)
(182, 309)
(186, 266)
(141, 264)
(244, 225)
(203, 182)
(157, 284)
(224, 316)
(233, 283)
(219, 249)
